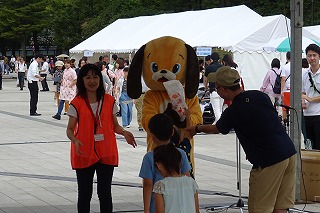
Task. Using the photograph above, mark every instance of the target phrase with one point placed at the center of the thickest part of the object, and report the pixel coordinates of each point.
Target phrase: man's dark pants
(44, 82)
(313, 130)
(21, 79)
(0, 80)
(33, 89)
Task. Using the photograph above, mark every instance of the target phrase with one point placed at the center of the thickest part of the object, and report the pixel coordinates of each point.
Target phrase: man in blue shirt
(266, 144)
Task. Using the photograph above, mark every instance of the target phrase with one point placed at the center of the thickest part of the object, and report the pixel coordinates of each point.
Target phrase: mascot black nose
(163, 71)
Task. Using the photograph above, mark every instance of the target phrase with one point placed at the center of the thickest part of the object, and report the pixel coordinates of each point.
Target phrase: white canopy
(237, 29)
(218, 27)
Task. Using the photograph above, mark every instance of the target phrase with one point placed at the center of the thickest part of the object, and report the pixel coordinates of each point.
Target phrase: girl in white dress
(176, 192)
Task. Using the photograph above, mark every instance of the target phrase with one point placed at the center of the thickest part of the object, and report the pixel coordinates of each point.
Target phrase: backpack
(276, 87)
(208, 115)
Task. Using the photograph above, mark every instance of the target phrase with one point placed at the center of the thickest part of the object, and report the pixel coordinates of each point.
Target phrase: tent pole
(296, 8)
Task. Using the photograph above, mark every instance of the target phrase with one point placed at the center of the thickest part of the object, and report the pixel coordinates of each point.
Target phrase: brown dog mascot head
(164, 59)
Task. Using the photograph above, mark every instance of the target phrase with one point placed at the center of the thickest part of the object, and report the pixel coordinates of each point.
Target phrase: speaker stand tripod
(240, 204)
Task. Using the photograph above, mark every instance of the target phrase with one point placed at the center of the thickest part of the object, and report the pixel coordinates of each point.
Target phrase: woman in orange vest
(91, 128)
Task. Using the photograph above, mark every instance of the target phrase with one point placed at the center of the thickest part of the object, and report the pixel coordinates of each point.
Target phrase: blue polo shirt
(258, 128)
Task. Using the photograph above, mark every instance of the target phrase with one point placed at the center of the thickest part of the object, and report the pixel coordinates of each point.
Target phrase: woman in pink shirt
(269, 79)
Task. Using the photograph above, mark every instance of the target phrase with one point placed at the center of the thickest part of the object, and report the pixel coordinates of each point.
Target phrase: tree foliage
(65, 23)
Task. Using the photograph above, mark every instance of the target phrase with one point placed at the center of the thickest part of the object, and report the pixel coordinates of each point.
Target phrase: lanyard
(95, 118)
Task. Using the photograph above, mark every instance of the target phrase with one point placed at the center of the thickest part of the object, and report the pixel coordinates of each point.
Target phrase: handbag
(56, 79)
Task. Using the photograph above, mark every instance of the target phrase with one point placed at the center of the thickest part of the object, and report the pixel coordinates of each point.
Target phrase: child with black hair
(161, 130)
(176, 192)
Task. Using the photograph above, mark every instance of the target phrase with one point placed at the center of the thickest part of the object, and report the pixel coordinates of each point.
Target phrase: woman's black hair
(275, 63)
(228, 61)
(169, 156)
(80, 84)
(305, 63)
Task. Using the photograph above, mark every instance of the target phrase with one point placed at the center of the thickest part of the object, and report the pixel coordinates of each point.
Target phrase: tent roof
(235, 28)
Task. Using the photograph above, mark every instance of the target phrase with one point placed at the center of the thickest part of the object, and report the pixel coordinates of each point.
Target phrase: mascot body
(160, 60)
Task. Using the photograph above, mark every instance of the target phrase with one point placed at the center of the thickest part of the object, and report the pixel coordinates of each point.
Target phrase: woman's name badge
(98, 137)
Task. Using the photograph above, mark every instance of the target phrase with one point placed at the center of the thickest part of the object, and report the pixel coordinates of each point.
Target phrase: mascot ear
(134, 86)
(192, 74)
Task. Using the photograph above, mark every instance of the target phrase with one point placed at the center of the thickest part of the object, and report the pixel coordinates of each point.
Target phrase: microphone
(277, 103)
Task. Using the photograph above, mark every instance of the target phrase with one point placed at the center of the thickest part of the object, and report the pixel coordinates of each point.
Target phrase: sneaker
(128, 126)
(57, 117)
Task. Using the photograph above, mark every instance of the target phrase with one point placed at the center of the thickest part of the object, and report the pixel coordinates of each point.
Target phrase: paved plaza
(36, 176)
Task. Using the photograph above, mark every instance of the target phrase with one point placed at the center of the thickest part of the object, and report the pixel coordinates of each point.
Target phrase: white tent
(237, 29)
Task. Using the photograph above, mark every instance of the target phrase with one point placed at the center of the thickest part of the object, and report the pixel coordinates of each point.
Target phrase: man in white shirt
(43, 73)
(33, 77)
(21, 68)
(311, 96)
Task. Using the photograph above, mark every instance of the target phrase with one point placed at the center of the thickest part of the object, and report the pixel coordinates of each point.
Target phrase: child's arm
(147, 192)
(196, 200)
(186, 173)
(159, 202)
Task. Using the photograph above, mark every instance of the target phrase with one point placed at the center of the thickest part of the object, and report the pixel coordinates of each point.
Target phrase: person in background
(68, 88)
(106, 80)
(43, 73)
(6, 65)
(114, 61)
(138, 104)
(82, 62)
(175, 192)
(126, 62)
(73, 63)
(265, 142)
(201, 70)
(119, 74)
(161, 130)
(51, 66)
(1, 71)
(228, 61)
(305, 65)
(311, 96)
(57, 78)
(21, 68)
(268, 82)
(126, 103)
(33, 78)
(285, 86)
(93, 140)
(215, 100)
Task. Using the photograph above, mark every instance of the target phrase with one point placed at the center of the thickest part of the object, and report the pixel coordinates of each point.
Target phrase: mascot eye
(176, 68)
(154, 67)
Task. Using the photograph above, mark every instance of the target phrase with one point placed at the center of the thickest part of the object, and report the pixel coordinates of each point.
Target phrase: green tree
(23, 19)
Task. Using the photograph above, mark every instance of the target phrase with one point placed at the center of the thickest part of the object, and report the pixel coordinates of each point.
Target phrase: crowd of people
(310, 99)
(95, 93)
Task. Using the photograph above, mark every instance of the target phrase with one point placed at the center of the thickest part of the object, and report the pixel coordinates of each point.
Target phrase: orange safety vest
(106, 151)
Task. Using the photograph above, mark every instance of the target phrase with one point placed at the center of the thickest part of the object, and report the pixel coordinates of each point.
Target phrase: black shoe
(141, 130)
(65, 113)
(35, 114)
(57, 116)
(21, 88)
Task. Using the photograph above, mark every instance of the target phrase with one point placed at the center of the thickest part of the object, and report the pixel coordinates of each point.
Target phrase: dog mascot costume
(160, 60)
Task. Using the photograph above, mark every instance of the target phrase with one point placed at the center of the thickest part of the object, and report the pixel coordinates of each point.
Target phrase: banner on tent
(87, 53)
(203, 51)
